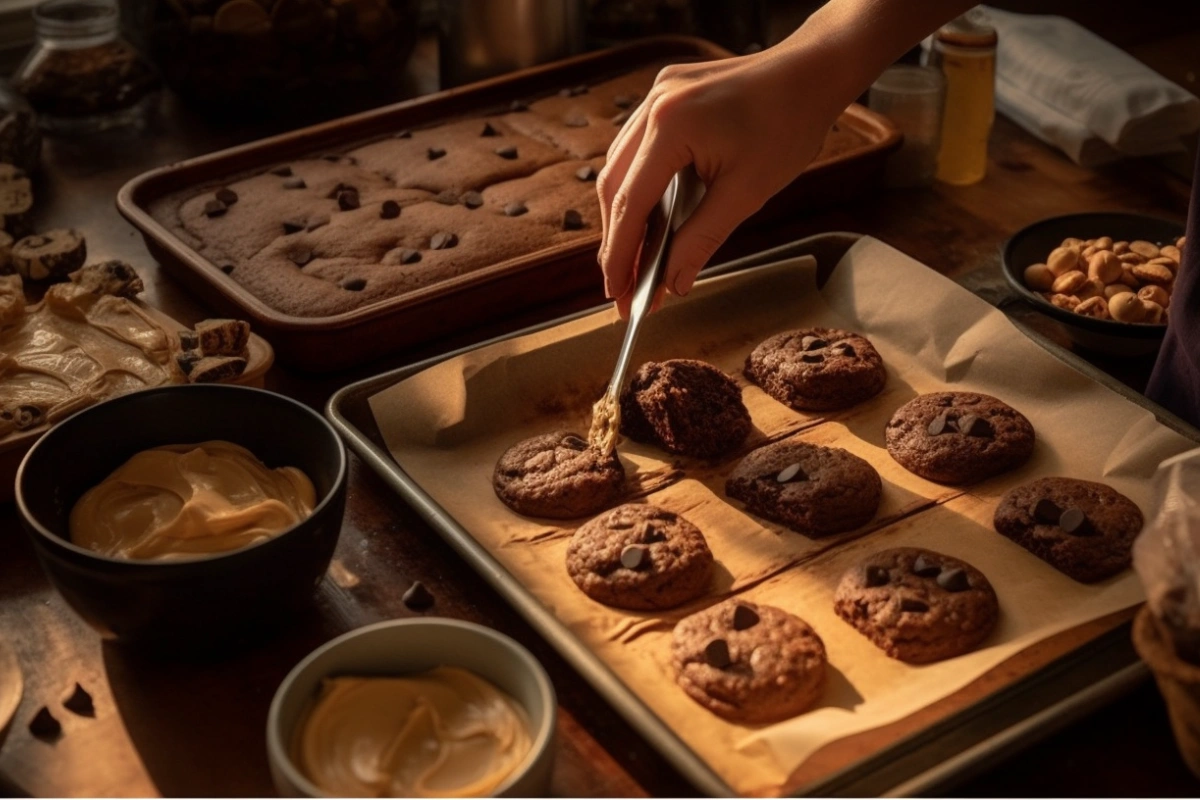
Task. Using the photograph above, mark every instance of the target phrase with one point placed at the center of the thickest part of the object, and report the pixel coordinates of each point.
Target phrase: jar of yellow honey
(965, 51)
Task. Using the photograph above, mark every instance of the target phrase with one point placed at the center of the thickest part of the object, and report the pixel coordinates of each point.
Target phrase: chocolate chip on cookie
(838, 492)
(685, 406)
(640, 557)
(1081, 528)
(389, 209)
(817, 369)
(958, 437)
(916, 605)
(557, 475)
(748, 662)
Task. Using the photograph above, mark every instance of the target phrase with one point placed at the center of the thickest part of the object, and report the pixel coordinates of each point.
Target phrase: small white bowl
(405, 646)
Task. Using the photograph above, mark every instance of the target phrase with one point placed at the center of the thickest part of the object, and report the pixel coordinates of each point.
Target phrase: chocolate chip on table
(318, 221)
(515, 209)
(812, 343)
(389, 209)
(509, 152)
(282, 172)
(354, 284)
(291, 226)
(518, 105)
(226, 195)
(227, 268)
(417, 597)
(572, 220)
(939, 424)
(587, 173)
(214, 208)
(716, 653)
(925, 568)
(80, 702)
(404, 134)
(633, 556)
(447, 197)
(792, 472)
(347, 199)
(434, 153)
(1075, 522)
(744, 617)
(301, 257)
(409, 256)
(575, 120)
(972, 425)
(877, 576)
(295, 182)
(953, 580)
(911, 604)
(443, 240)
(1047, 511)
(44, 725)
(472, 200)
(488, 130)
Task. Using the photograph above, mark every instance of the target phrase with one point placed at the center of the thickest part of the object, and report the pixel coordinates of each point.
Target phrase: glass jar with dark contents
(81, 76)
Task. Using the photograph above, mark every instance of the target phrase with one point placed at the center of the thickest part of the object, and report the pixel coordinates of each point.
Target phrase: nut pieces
(1106, 279)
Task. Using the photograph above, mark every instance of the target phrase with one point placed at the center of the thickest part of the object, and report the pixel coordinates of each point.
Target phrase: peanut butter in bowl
(181, 501)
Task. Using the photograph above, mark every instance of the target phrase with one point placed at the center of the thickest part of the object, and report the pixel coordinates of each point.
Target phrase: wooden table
(170, 728)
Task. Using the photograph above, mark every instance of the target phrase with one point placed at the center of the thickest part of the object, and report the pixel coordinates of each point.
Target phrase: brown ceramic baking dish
(323, 344)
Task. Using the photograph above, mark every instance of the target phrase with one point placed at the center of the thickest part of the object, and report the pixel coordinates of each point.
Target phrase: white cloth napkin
(1072, 89)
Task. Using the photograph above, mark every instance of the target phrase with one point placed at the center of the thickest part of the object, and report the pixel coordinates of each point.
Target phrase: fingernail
(677, 290)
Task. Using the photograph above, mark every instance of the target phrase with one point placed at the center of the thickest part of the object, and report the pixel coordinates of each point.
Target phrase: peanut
(1105, 266)
(1115, 289)
(1104, 243)
(1126, 307)
(1094, 287)
(1120, 247)
(1153, 273)
(1039, 277)
(1170, 251)
(1154, 313)
(1063, 259)
(1095, 307)
(1069, 282)
(1130, 258)
(1144, 248)
(1154, 294)
(1066, 301)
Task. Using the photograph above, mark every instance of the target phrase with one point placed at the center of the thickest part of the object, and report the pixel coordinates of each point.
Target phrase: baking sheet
(447, 425)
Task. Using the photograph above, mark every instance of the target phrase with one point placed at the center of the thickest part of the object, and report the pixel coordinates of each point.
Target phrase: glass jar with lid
(81, 76)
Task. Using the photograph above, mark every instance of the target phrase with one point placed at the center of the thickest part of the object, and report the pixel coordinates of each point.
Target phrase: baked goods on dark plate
(557, 475)
(916, 605)
(958, 437)
(817, 369)
(685, 406)
(1081, 528)
(811, 489)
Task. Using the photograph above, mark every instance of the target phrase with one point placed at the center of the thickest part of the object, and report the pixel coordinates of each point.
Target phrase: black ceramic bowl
(206, 599)
(1033, 243)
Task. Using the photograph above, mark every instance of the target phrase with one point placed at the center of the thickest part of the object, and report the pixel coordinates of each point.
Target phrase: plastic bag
(1167, 553)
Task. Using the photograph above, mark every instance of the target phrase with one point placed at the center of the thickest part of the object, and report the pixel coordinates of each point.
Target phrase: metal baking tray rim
(973, 756)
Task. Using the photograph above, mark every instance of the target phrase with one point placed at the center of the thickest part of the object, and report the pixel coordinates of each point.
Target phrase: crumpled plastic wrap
(1167, 553)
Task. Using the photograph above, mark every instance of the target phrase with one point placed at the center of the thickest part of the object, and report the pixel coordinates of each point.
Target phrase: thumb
(719, 213)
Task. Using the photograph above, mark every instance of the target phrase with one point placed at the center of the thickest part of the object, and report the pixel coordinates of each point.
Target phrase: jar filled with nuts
(1125, 281)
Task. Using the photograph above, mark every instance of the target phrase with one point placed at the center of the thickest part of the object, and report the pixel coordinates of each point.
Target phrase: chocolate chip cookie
(916, 605)
(1080, 528)
(687, 407)
(817, 369)
(811, 489)
(958, 437)
(557, 475)
(640, 557)
(749, 663)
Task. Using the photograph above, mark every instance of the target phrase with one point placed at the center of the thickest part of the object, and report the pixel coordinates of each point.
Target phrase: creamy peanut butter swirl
(442, 733)
(184, 500)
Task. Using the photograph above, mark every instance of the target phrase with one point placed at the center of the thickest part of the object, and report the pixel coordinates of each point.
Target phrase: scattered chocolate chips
(812, 358)
(227, 268)
(953, 580)
(488, 130)
(389, 209)
(294, 183)
(282, 172)
(633, 556)
(301, 257)
(1047, 511)
(973, 425)
(809, 343)
(417, 597)
(472, 200)
(443, 240)
(925, 568)
(347, 199)
(409, 256)
(1074, 522)
(716, 653)
(910, 604)
(515, 209)
(226, 195)
(625, 100)
(214, 208)
(291, 226)
(80, 702)
(508, 152)
(354, 284)
(621, 117)
(939, 424)
(877, 576)
(318, 221)
(744, 617)
(405, 134)
(575, 120)
(572, 220)
(44, 725)
(587, 173)
(792, 472)
(518, 105)
(447, 197)
(434, 153)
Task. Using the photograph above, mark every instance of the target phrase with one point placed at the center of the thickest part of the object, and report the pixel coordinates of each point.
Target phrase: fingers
(620, 155)
(718, 214)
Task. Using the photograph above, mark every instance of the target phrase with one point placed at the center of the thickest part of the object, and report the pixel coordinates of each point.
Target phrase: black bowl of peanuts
(1106, 276)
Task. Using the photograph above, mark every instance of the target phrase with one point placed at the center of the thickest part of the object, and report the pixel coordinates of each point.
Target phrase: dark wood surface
(186, 728)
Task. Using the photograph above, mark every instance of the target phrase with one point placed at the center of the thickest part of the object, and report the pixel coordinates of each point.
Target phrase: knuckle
(619, 204)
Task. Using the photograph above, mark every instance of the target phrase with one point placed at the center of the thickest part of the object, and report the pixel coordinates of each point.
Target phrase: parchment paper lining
(447, 426)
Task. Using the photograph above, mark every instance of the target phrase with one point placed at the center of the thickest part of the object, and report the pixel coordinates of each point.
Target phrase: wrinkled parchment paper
(448, 425)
